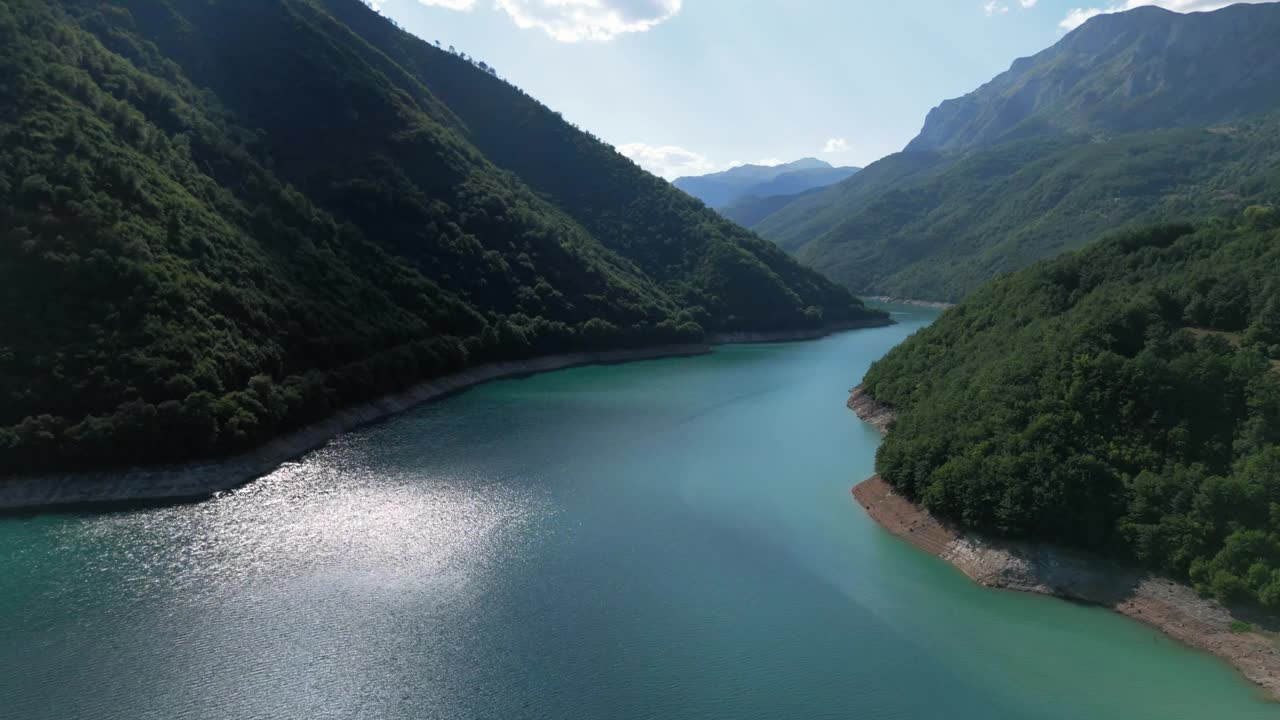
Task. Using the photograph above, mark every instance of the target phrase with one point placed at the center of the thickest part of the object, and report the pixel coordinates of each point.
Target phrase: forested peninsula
(224, 221)
(1124, 400)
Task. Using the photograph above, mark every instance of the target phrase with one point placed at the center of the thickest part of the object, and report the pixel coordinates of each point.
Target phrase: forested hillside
(1134, 117)
(222, 220)
(1125, 399)
(966, 219)
(815, 214)
(751, 209)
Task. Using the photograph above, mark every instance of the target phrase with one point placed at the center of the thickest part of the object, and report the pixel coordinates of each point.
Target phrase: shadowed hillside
(223, 220)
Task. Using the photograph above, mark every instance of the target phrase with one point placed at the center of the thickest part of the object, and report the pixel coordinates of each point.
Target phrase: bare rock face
(1180, 70)
(1173, 608)
(871, 411)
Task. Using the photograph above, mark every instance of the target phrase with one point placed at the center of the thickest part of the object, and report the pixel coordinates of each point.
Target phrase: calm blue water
(666, 540)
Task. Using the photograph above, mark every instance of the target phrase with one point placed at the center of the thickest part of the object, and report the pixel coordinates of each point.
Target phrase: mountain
(1106, 129)
(1145, 69)
(722, 189)
(798, 181)
(220, 221)
(1125, 399)
(751, 209)
(961, 221)
(815, 214)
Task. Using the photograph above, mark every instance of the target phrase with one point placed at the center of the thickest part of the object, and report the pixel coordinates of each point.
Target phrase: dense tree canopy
(220, 220)
(1125, 399)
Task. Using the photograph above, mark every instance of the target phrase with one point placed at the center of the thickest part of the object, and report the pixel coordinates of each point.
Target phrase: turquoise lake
(669, 539)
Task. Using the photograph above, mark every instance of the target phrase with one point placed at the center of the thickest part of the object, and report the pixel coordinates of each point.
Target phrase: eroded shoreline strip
(1172, 608)
(198, 480)
(934, 304)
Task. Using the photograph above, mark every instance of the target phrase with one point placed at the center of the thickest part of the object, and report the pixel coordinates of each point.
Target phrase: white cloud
(576, 20)
(669, 161)
(446, 4)
(673, 161)
(992, 8)
(573, 20)
(767, 162)
(1077, 16)
(836, 145)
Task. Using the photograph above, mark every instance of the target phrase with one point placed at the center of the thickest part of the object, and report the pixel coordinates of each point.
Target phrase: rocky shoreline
(197, 480)
(190, 481)
(935, 304)
(1171, 607)
(737, 338)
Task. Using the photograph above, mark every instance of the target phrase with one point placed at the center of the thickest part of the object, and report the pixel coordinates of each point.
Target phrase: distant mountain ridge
(1133, 118)
(719, 190)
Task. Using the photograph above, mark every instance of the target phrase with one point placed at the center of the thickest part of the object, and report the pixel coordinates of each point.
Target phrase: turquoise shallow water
(666, 540)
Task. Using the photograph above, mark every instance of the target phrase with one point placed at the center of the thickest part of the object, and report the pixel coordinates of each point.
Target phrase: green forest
(1123, 399)
(932, 226)
(221, 220)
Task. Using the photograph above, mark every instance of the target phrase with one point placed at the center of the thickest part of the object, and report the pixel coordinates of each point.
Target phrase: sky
(687, 87)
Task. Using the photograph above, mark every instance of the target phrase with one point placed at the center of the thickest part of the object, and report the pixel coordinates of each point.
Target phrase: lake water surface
(670, 539)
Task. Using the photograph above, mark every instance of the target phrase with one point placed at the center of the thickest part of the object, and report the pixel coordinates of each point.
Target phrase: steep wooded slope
(221, 220)
(1125, 398)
